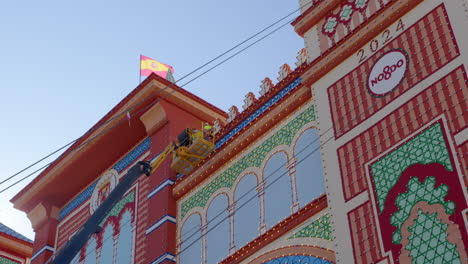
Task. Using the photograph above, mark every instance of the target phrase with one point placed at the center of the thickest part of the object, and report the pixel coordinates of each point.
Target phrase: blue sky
(64, 64)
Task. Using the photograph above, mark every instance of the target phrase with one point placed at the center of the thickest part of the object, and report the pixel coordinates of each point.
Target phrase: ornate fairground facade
(356, 155)
(390, 89)
(14, 247)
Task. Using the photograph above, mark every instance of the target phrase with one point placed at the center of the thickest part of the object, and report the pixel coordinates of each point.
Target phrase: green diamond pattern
(119, 206)
(7, 261)
(346, 12)
(428, 241)
(418, 192)
(254, 158)
(428, 147)
(330, 24)
(320, 228)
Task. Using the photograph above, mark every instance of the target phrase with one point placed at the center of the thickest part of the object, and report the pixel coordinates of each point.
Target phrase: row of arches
(259, 201)
(113, 246)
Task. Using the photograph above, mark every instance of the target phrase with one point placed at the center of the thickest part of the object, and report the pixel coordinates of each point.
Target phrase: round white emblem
(104, 186)
(387, 72)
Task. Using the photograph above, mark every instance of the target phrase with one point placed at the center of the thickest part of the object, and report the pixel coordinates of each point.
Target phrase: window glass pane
(247, 214)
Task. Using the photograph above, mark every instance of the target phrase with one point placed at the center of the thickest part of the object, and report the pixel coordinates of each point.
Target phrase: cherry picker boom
(191, 147)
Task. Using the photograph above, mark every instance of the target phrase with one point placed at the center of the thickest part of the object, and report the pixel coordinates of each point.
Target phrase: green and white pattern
(428, 147)
(7, 261)
(428, 241)
(320, 228)
(284, 136)
(119, 206)
(418, 192)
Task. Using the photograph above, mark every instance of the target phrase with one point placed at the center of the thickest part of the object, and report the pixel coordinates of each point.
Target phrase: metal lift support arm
(92, 225)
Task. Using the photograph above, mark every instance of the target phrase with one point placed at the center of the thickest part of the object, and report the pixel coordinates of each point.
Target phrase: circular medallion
(388, 72)
(104, 186)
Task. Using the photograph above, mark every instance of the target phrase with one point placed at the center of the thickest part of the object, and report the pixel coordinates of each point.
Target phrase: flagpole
(139, 71)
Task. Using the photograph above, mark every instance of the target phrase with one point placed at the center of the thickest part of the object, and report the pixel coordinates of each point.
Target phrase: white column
(261, 198)
(204, 229)
(231, 211)
(292, 176)
(116, 243)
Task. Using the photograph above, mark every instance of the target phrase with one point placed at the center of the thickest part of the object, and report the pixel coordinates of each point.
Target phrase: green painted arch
(428, 147)
(255, 158)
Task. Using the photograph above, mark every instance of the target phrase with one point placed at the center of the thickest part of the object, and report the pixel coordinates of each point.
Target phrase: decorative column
(116, 243)
(261, 198)
(132, 254)
(204, 229)
(231, 210)
(292, 176)
(99, 248)
(44, 221)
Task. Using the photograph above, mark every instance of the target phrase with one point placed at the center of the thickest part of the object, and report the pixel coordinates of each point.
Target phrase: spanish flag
(148, 65)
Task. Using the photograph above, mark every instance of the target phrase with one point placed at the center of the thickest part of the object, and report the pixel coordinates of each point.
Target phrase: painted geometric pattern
(320, 228)
(83, 196)
(119, 167)
(7, 261)
(133, 155)
(418, 192)
(430, 245)
(254, 158)
(424, 61)
(119, 206)
(428, 147)
(258, 112)
(298, 259)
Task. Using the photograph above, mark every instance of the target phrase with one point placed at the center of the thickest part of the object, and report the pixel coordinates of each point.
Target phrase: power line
(372, 106)
(152, 96)
(274, 180)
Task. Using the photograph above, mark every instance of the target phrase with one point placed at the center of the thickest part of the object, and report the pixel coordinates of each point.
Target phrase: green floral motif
(320, 228)
(428, 241)
(7, 261)
(119, 206)
(428, 147)
(418, 192)
(255, 158)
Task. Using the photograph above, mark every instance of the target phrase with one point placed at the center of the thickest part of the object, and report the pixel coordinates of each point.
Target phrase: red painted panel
(447, 96)
(430, 45)
(364, 235)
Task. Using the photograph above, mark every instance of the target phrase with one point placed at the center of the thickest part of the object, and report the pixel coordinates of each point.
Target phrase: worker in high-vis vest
(208, 131)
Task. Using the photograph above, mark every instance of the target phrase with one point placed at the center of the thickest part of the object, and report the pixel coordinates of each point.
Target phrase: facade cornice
(355, 40)
(109, 129)
(248, 134)
(313, 15)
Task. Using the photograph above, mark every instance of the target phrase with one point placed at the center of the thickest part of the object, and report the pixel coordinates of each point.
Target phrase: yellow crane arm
(161, 157)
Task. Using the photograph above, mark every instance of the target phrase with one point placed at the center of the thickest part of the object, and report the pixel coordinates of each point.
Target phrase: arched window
(191, 243)
(278, 194)
(125, 242)
(247, 214)
(309, 173)
(107, 250)
(218, 230)
(90, 255)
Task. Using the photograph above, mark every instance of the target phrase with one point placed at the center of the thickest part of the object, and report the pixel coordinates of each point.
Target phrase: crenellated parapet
(267, 89)
(249, 100)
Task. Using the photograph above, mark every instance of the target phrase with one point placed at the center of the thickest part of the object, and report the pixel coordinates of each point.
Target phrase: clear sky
(64, 64)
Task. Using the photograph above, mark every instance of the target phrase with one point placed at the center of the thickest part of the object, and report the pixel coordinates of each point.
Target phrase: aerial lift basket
(193, 147)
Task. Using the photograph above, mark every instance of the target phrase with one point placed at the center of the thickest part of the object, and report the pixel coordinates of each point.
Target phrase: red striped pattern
(430, 45)
(447, 96)
(142, 221)
(71, 226)
(364, 235)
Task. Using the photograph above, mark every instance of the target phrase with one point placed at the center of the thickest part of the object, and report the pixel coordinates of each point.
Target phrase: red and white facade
(356, 155)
